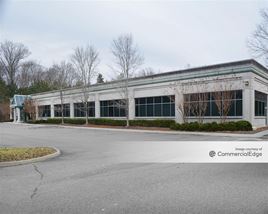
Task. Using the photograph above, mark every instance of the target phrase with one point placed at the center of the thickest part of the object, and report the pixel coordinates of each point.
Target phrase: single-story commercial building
(188, 94)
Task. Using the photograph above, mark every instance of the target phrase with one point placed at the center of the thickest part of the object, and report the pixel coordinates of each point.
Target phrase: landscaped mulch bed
(17, 154)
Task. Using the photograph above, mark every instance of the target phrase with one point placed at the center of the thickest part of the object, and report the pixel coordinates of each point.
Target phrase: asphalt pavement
(89, 177)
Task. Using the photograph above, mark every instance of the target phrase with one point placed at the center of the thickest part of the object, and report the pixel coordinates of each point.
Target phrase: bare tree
(146, 72)
(63, 78)
(85, 60)
(4, 111)
(29, 107)
(127, 59)
(185, 109)
(30, 73)
(11, 55)
(191, 104)
(258, 43)
(223, 96)
(24, 78)
(198, 105)
(64, 75)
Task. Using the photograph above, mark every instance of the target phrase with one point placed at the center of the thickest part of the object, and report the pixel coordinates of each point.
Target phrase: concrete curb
(168, 132)
(33, 160)
(216, 134)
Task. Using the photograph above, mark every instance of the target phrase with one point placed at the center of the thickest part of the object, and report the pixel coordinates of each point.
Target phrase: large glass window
(260, 103)
(44, 111)
(162, 106)
(66, 110)
(80, 109)
(214, 103)
(112, 108)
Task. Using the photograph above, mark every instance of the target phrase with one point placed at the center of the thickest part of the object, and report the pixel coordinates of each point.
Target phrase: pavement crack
(40, 181)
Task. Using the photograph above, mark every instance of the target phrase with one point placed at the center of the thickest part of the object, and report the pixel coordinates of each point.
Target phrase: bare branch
(127, 60)
(223, 95)
(258, 43)
(29, 108)
(11, 55)
(85, 61)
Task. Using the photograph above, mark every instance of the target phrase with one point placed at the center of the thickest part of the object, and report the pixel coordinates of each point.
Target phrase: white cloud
(170, 34)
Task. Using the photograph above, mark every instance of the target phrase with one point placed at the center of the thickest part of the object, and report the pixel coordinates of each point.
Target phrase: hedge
(152, 123)
(110, 122)
(4, 121)
(241, 125)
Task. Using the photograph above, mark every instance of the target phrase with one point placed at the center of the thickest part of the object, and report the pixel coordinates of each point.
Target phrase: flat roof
(181, 71)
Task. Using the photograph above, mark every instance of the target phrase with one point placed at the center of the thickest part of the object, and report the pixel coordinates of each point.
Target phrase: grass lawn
(16, 154)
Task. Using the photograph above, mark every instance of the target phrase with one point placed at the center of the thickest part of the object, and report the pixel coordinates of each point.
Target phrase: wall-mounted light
(246, 83)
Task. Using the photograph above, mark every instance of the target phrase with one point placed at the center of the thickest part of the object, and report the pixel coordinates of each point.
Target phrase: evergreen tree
(100, 78)
(4, 92)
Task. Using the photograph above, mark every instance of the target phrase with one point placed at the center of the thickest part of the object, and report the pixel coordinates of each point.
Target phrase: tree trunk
(62, 116)
(127, 102)
(61, 100)
(86, 113)
(127, 112)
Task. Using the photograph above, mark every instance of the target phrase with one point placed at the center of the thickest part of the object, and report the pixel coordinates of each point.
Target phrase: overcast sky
(170, 35)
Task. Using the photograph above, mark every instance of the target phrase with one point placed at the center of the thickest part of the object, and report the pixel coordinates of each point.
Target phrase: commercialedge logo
(235, 154)
(212, 153)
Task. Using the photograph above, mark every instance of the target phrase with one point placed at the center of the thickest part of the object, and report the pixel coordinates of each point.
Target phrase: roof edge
(199, 68)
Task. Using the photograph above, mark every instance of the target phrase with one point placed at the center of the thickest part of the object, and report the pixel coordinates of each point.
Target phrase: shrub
(53, 121)
(175, 126)
(48, 121)
(36, 121)
(78, 121)
(211, 127)
(244, 125)
(81, 121)
(104, 121)
(152, 123)
(193, 126)
(214, 127)
(110, 122)
(231, 126)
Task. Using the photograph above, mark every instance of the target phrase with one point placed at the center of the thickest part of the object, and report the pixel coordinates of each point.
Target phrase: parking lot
(90, 178)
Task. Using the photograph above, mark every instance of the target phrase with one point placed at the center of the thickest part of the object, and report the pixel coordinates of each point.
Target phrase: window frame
(213, 110)
(145, 107)
(66, 110)
(79, 109)
(260, 104)
(112, 108)
(46, 109)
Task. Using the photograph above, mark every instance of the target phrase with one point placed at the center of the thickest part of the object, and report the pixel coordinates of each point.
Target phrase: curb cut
(33, 160)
